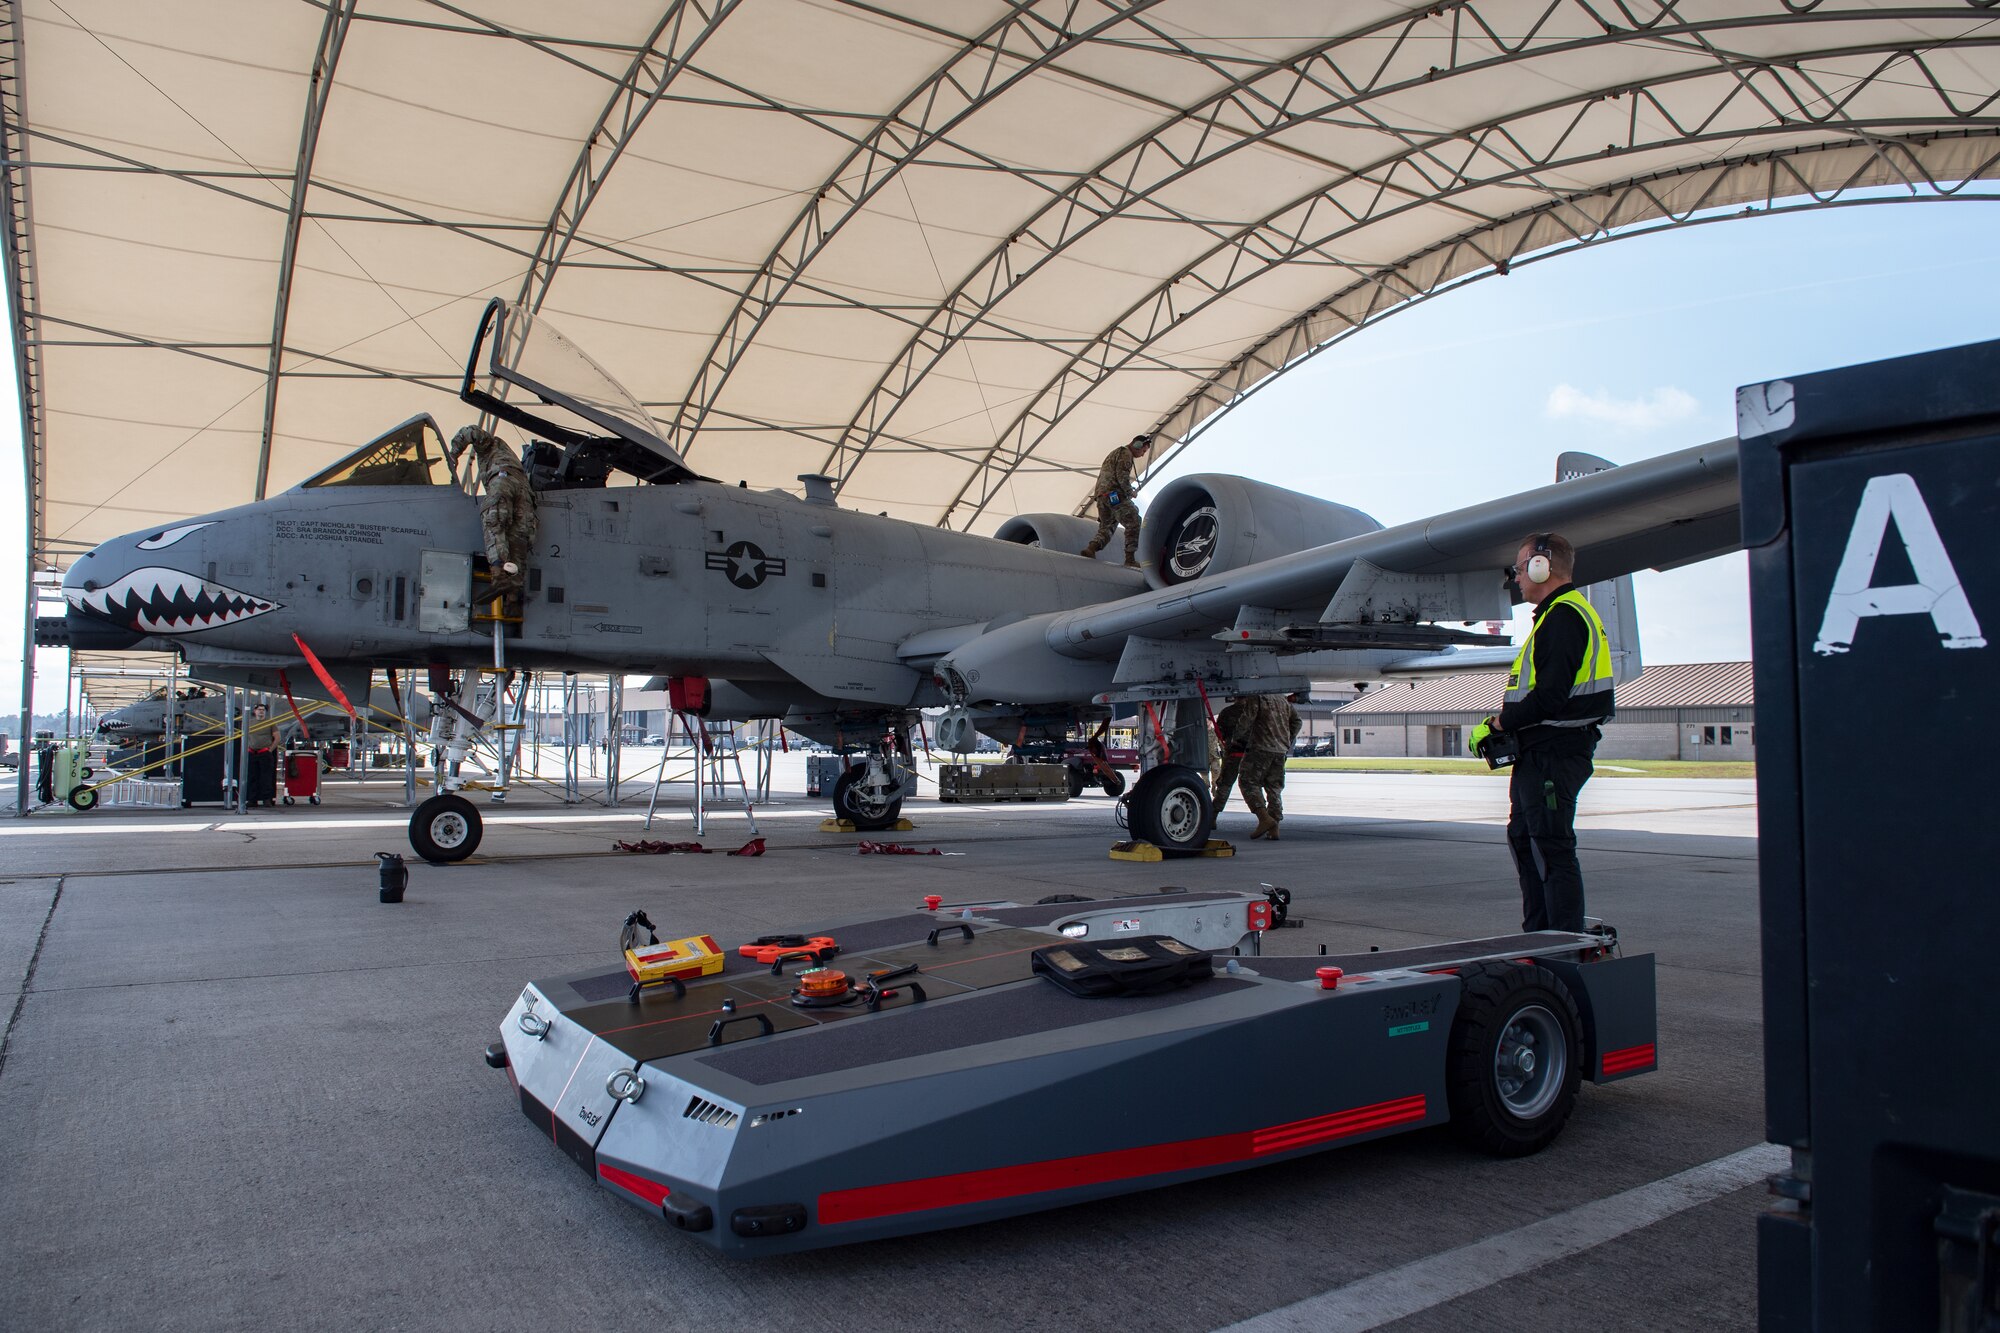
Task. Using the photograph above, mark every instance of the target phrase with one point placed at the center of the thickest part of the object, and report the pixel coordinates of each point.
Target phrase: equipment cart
(301, 777)
(932, 1072)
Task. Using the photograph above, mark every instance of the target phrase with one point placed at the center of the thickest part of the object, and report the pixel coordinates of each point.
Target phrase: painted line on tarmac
(1401, 1292)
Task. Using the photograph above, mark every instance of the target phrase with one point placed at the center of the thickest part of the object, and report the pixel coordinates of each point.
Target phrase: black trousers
(1541, 832)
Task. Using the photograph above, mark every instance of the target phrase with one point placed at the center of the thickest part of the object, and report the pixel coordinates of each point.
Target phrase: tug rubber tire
(445, 828)
(1504, 1009)
(1114, 783)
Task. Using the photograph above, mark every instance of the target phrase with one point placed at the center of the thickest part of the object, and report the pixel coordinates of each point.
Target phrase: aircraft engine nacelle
(1053, 532)
(1211, 522)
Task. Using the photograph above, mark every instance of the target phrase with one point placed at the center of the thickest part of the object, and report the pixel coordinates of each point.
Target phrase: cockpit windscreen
(410, 455)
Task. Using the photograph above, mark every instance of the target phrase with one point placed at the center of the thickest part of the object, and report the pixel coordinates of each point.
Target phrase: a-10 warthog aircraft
(844, 624)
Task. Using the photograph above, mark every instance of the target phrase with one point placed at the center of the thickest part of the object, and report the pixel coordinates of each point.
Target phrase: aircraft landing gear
(445, 828)
(870, 794)
(1170, 808)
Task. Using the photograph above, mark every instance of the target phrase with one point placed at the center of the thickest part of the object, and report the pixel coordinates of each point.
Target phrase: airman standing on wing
(506, 508)
(1114, 495)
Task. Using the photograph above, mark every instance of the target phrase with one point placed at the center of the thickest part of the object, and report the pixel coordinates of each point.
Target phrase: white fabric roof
(948, 250)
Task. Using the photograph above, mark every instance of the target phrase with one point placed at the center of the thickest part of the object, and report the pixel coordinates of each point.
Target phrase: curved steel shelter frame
(942, 251)
(946, 251)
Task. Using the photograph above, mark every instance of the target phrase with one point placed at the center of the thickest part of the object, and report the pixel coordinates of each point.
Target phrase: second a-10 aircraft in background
(845, 624)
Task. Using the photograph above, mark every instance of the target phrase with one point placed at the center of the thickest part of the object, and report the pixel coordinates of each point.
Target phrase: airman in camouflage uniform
(506, 508)
(1230, 734)
(1272, 727)
(1115, 491)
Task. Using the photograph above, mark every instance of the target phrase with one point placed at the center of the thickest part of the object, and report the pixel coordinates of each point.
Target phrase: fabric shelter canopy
(947, 251)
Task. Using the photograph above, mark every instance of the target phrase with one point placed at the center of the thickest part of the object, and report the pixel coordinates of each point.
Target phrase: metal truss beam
(1292, 345)
(1436, 169)
(1017, 46)
(685, 25)
(1254, 107)
(326, 58)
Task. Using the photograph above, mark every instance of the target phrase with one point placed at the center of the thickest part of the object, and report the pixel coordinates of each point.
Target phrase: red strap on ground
(325, 678)
(658, 848)
(865, 848)
(754, 847)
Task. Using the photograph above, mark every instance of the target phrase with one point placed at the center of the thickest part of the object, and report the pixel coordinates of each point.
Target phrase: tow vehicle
(934, 1079)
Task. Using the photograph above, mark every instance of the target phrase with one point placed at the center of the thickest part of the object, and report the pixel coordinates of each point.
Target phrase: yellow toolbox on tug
(665, 964)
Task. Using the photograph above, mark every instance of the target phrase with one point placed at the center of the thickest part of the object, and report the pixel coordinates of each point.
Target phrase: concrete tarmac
(239, 1092)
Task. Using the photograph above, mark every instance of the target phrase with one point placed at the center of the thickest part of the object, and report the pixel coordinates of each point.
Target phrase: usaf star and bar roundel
(746, 564)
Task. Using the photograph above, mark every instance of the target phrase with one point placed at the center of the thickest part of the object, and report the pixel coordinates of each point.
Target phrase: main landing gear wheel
(871, 809)
(1170, 808)
(1515, 1058)
(445, 828)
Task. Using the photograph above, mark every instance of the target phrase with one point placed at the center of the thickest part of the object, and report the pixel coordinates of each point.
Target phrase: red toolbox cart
(301, 777)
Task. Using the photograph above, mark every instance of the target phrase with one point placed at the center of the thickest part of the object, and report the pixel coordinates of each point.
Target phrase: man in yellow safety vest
(1558, 697)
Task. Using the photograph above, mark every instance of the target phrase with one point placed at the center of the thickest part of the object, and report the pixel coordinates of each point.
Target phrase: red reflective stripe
(652, 1191)
(1007, 1182)
(1630, 1058)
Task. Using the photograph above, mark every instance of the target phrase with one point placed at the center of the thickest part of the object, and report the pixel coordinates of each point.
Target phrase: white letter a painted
(1935, 593)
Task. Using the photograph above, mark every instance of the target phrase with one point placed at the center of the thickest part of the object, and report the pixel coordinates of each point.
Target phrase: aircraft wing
(1659, 513)
(1656, 514)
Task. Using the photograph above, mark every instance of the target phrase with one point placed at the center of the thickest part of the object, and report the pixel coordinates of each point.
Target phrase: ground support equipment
(930, 1078)
(1873, 527)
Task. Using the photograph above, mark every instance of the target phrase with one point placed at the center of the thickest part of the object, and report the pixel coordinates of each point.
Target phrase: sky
(1627, 349)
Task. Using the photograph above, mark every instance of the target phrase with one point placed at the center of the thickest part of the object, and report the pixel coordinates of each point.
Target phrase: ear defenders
(1538, 564)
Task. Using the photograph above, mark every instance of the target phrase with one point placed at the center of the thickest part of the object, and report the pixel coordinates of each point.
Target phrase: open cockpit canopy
(539, 380)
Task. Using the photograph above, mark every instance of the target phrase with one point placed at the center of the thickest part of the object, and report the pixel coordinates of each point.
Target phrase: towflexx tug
(955, 1064)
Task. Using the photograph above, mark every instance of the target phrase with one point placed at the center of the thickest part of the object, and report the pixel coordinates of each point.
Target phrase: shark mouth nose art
(166, 601)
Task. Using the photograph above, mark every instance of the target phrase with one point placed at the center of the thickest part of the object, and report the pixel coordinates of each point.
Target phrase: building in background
(1686, 710)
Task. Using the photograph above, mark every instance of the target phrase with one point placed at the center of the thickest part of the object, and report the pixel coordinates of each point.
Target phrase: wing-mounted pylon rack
(1313, 638)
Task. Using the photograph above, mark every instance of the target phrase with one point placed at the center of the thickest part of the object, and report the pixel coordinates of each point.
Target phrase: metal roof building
(1685, 710)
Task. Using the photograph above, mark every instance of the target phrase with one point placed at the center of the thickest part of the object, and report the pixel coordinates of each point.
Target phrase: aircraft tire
(445, 828)
(1514, 1060)
(83, 798)
(1170, 807)
(848, 803)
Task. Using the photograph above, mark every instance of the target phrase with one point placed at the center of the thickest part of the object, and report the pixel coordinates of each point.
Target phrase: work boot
(1088, 552)
(1133, 564)
(1264, 825)
(1273, 834)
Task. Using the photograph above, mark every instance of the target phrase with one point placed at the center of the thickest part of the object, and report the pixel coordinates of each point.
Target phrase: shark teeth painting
(166, 601)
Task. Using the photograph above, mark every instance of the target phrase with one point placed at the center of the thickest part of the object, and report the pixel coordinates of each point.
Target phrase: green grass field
(1606, 768)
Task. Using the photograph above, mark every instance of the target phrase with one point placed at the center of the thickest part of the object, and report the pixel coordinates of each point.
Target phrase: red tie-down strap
(1166, 750)
(866, 848)
(325, 677)
(286, 686)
